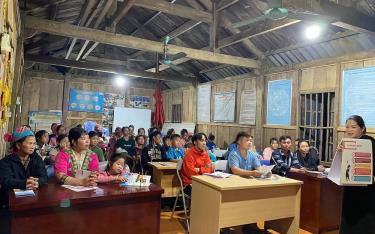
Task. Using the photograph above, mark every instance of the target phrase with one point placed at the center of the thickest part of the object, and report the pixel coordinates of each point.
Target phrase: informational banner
(224, 107)
(352, 166)
(248, 107)
(357, 96)
(42, 120)
(279, 102)
(86, 101)
(204, 103)
(111, 100)
(140, 101)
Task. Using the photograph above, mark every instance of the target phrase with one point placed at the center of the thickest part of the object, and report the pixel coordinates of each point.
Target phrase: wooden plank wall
(45, 94)
(186, 97)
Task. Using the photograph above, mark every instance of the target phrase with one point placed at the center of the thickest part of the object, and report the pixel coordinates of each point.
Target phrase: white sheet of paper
(78, 188)
(335, 171)
(23, 193)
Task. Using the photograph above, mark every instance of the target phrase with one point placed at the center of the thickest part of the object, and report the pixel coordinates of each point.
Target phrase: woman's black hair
(139, 129)
(114, 158)
(75, 134)
(300, 141)
(273, 139)
(359, 120)
(197, 136)
(240, 135)
(211, 137)
(39, 134)
(93, 134)
(58, 127)
(60, 138)
(174, 136)
(183, 131)
(170, 131)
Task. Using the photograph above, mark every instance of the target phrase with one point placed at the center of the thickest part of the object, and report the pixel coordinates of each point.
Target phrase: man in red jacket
(196, 161)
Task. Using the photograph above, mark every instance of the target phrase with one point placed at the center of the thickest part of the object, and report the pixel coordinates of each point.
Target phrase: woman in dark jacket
(358, 207)
(22, 169)
(308, 156)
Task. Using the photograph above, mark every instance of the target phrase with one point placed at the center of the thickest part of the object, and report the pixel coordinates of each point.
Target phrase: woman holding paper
(72, 164)
(358, 207)
(23, 168)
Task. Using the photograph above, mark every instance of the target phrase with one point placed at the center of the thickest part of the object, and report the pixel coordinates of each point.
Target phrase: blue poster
(279, 102)
(86, 101)
(357, 95)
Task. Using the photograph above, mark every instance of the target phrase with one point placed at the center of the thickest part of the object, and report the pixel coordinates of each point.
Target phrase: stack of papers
(78, 188)
(23, 193)
(218, 174)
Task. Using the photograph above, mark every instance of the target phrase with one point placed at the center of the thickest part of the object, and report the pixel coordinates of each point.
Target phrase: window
(176, 113)
(316, 122)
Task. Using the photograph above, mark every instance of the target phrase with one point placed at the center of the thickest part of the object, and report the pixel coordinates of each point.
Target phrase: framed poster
(204, 103)
(279, 102)
(86, 101)
(224, 107)
(42, 120)
(248, 107)
(357, 95)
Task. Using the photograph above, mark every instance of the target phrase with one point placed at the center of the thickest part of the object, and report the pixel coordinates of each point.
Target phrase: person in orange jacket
(196, 161)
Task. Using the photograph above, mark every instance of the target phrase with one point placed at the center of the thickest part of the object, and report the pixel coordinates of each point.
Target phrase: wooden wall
(318, 76)
(186, 97)
(43, 93)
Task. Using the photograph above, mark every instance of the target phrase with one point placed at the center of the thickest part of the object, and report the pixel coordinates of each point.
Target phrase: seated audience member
(153, 152)
(211, 155)
(71, 162)
(94, 140)
(210, 142)
(242, 161)
(296, 142)
(252, 149)
(196, 161)
(42, 148)
(284, 159)
(139, 145)
(175, 152)
(23, 168)
(53, 135)
(184, 137)
(131, 131)
(232, 146)
(60, 129)
(142, 132)
(99, 130)
(126, 142)
(112, 141)
(308, 156)
(115, 171)
(170, 132)
(62, 145)
(267, 152)
(166, 143)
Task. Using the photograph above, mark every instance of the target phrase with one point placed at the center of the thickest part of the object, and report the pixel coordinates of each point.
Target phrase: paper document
(135, 179)
(78, 188)
(218, 174)
(352, 166)
(265, 169)
(23, 193)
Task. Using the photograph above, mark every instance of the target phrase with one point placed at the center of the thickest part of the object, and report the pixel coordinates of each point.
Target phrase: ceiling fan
(276, 11)
(167, 59)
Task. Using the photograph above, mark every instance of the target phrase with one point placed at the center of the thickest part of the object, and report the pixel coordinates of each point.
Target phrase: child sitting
(115, 171)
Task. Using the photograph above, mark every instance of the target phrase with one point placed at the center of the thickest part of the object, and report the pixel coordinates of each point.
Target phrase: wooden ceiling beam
(105, 67)
(175, 9)
(100, 36)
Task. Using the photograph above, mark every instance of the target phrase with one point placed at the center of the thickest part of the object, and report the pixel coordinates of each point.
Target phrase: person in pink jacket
(115, 171)
(78, 159)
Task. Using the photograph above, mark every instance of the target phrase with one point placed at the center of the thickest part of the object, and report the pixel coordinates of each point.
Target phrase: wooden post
(213, 28)
(65, 104)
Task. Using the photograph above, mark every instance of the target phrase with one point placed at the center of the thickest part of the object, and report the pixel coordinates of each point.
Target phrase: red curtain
(158, 116)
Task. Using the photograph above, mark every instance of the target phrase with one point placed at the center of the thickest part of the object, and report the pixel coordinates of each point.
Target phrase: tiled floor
(176, 225)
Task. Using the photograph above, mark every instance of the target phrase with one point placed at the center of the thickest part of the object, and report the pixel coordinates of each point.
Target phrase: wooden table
(117, 210)
(164, 174)
(219, 203)
(320, 203)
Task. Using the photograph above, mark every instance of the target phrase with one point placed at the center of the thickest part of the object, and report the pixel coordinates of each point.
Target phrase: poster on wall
(248, 107)
(140, 101)
(86, 101)
(279, 102)
(111, 100)
(42, 120)
(357, 96)
(204, 100)
(224, 107)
